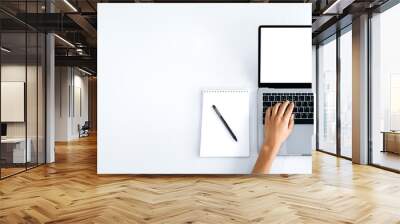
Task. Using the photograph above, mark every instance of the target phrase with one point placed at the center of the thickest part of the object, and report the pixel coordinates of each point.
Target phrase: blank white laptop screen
(285, 55)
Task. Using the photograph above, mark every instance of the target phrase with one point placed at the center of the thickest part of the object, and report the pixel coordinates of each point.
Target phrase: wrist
(271, 147)
(270, 150)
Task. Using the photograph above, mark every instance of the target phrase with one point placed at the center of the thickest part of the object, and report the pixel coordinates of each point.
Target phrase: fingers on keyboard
(303, 104)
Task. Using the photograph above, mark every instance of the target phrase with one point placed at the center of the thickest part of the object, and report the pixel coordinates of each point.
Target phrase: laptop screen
(285, 56)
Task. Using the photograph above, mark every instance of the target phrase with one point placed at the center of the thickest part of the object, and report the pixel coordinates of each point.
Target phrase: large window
(346, 92)
(335, 94)
(385, 89)
(327, 95)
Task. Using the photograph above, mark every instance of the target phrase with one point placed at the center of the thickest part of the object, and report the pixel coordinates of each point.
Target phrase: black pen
(223, 121)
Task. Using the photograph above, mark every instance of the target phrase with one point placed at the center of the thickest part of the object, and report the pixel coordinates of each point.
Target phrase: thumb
(291, 122)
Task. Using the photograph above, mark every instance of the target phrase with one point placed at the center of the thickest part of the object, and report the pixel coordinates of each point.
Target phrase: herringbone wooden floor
(70, 191)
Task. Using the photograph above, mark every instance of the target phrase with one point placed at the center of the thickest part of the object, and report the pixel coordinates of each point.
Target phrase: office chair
(84, 130)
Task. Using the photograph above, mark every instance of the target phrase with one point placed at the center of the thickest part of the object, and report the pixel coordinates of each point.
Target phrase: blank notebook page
(216, 140)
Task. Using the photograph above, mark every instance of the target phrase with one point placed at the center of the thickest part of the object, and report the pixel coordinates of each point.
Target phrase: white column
(50, 92)
(50, 100)
(360, 90)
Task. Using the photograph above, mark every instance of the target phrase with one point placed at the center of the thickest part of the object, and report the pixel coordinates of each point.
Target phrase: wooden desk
(391, 141)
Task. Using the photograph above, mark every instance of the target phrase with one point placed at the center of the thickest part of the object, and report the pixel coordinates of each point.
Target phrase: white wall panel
(12, 101)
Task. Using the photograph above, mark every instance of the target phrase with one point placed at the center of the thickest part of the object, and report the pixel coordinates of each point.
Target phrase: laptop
(285, 73)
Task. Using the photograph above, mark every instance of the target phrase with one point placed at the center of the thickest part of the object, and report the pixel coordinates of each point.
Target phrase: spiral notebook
(216, 141)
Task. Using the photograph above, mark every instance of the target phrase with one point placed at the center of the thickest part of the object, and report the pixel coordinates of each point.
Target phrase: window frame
(334, 37)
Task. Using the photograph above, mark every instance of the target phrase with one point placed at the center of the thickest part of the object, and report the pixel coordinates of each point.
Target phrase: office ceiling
(22, 47)
(76, 21)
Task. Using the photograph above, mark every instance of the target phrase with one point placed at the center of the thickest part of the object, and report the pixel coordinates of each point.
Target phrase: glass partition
(13, 110)
(22, 101)
(41, 111)
(32, 96)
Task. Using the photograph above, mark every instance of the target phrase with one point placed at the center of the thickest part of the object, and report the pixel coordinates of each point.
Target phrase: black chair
(84, 130)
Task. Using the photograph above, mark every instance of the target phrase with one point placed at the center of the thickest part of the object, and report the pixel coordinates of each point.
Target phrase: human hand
(279, 123)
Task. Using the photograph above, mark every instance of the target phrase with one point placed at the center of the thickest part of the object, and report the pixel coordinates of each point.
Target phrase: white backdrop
(153, 62)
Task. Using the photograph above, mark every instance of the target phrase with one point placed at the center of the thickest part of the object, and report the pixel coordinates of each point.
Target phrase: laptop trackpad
(299, 142)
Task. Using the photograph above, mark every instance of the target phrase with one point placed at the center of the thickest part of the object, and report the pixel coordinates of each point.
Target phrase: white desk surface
(13, 140)
(20, 150)
(149, 96)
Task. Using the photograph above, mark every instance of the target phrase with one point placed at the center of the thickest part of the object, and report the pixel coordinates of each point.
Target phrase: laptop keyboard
(303, 109)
